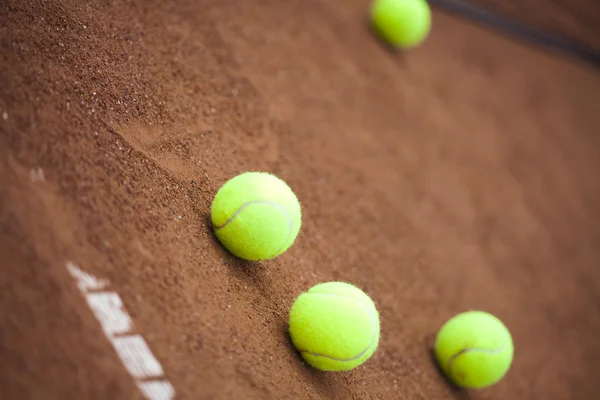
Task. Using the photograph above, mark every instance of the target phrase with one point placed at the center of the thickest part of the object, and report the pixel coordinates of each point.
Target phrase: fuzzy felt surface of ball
(256, 216)
(474, 349)
(334, 326)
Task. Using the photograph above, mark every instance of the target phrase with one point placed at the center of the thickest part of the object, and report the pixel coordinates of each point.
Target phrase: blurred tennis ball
(402, 23)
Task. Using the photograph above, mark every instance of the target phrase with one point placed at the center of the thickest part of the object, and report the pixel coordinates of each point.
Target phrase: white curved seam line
(290, 226)
(469, 349)
(242, 208)
(270, 203)
(359, 355)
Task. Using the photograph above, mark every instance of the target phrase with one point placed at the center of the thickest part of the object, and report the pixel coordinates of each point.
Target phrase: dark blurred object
(568, 26)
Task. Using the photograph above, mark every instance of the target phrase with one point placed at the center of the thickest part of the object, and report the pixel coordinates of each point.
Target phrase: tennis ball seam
(270, 203)
(373, 325)
(474, 349)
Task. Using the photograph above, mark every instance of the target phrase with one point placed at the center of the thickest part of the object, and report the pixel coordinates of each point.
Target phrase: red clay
(461, 175)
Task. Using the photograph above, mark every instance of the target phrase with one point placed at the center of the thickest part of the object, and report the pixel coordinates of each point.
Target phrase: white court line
(157, 390)
(137, 357)
(132, 349)
(107, 308)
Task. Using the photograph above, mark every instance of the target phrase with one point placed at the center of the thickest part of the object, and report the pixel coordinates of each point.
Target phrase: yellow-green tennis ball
(256, 216)
(402, 23)
(334, 326)
(474, 349)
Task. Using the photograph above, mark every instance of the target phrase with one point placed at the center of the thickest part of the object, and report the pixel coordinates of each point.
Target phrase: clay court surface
(461, 175)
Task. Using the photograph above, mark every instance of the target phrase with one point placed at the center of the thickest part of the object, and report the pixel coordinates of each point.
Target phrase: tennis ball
(334, 326)
(256, 216)
(474, 349)
(402, 23)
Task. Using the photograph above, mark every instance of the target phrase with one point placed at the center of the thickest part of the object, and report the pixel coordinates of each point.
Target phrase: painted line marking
(116, 323)
(157, 390)
(107, 307)
(85, 281)
(137, 357)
